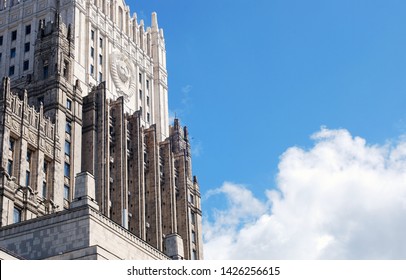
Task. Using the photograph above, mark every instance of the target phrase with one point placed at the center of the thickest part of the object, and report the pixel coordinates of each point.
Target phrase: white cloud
(341, 199)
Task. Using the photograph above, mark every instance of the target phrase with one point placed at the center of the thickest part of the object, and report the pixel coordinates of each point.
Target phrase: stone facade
(58, 119)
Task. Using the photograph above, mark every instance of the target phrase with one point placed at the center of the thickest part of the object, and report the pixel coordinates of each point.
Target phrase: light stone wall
(81, 233)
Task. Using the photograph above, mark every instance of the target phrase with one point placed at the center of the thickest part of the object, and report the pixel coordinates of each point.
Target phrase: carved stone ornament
(123, 75)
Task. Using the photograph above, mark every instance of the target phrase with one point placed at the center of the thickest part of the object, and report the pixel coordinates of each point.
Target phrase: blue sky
(253, 79)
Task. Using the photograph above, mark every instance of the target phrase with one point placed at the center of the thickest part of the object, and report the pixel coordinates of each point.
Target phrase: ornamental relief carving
(123, 75)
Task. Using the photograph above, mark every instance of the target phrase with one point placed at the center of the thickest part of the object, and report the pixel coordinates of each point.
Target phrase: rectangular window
(191, 199)
(66, 191)
(1, 40)
(91, 69)
(194, 255)
(192, 217)
(68, 127)
(147, 84)
(26, 65)
(67, 170)
(65, 69)
(193, 236)
(92, 34)
(27, 178)
(28, 29)
(11, 144)
(12, 52)
(100, 59)
(140, 77)
(44, 189)
(91, 52)
(27, 47)
(101, 43)
(148, 117)
(140, 94)
(67, 148)
(28, 156)
(16, 215)
(0, 56)
(148, 100)
(11, 70)
(45, 167)
(10, 167)
(68, 104)
(100, 77)
(45, 71)
(14, 35)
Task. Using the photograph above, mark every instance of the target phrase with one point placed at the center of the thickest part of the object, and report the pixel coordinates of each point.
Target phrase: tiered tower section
(30, 151)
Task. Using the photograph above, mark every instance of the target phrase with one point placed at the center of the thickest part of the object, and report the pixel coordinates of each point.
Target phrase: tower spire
(154, 22)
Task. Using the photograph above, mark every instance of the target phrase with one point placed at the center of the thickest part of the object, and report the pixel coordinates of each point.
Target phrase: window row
(13, 52)
(14, 34)
(26, 66)
(92, 35)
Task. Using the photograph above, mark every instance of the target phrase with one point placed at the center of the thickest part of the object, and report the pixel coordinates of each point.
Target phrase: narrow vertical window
(45, 72)
(12, 52)
(67, 148)
(45, 168)
(68, 104)
(28, 157)
(27, 47)
(11, 70)
(193, 236)
(68, 127)
(66, 191)
(10, 167)
(14, 35)
(26, 65)
(44, 189)
(28, 29)
(65, 69)
(11, 144)
(27, 178)
(92, 35)
(16, 215)
(192, 217)
(1, 40)
(67, 170)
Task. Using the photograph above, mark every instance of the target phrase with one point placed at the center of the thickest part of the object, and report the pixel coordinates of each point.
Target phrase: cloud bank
(340, 199)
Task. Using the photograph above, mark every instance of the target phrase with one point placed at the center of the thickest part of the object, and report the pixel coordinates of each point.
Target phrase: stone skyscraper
(84, 128)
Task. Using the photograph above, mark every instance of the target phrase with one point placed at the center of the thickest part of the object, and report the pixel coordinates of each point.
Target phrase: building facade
(84, 89)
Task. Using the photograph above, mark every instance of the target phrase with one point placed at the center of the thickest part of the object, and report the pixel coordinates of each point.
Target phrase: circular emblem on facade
(122, 73)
